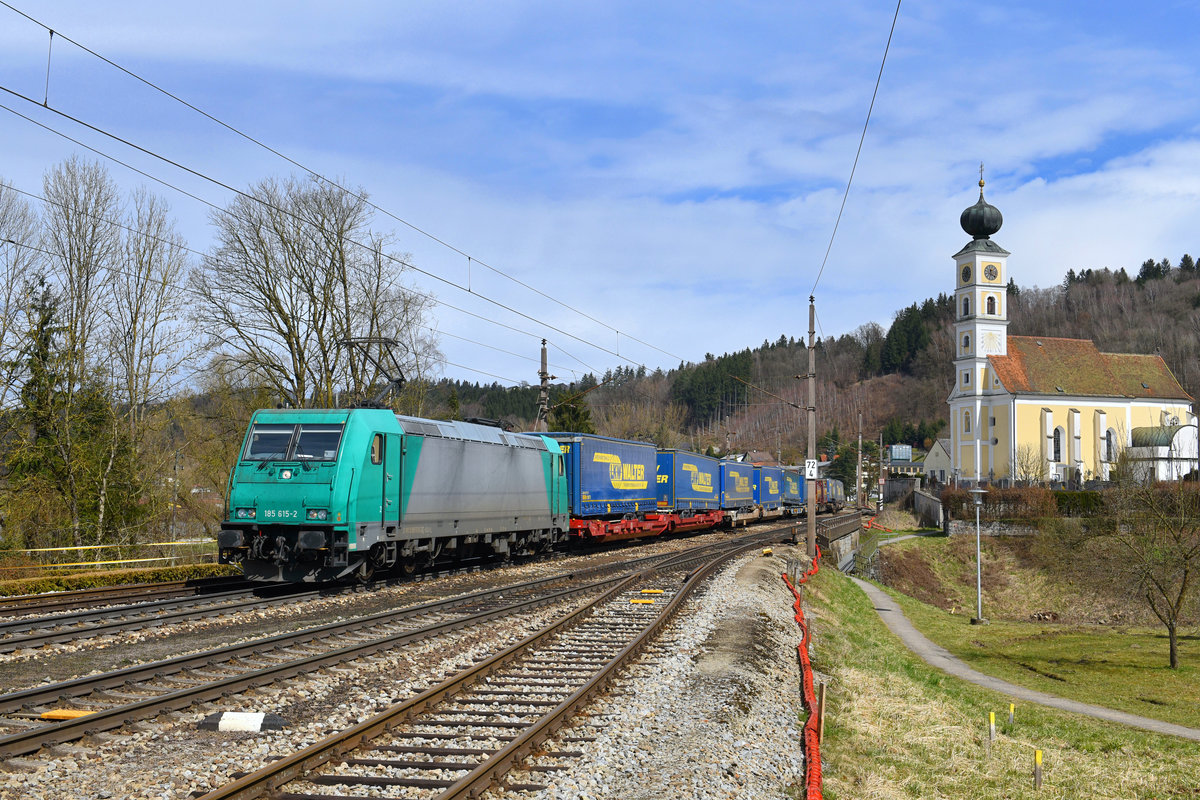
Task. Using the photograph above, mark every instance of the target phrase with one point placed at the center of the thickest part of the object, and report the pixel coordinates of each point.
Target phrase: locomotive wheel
(365, 573)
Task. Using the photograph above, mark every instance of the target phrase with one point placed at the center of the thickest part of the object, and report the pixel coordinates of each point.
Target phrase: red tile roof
(1046, 365)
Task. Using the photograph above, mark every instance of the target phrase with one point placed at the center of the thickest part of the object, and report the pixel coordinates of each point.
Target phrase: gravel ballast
(713, 711)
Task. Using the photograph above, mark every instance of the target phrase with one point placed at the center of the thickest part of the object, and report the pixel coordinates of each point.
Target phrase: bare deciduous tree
(82, 234)
(297, 270)
(1153, 547)
(19, 260)
(147, 329)
(1029, 467)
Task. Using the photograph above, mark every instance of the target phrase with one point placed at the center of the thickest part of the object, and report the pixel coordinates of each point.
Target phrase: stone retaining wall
(956, 527)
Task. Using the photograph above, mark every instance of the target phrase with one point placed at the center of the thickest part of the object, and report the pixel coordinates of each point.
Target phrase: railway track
(33, 632)
(145, 611)
(464, 735)
(54, 602)
(66, 711)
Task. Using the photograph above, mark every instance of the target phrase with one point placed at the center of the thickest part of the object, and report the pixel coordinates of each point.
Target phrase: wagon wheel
(365, 573)
(410, 564)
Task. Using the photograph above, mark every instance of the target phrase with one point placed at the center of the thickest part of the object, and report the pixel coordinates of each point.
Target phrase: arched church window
(966, 342)
(991, 305)
(1110, 445)
(966, 422)
(1058, 437)
(966, 307)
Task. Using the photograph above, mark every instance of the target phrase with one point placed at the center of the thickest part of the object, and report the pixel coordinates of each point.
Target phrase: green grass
(1122, 668)
(897, 728)
(1119, 666)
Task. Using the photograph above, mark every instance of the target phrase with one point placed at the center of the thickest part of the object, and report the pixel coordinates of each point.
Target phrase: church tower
(980, 330)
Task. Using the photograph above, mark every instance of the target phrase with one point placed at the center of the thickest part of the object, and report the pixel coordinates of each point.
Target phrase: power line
(858, 153)
(199, 254)
(313, 173)
(193, 292)
(441, 359)
(262, 202)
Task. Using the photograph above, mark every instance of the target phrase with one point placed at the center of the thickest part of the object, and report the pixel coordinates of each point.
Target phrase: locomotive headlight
(244, 513)
(318, 514)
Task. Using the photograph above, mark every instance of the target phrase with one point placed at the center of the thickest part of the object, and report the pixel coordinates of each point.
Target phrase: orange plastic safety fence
(812, 744)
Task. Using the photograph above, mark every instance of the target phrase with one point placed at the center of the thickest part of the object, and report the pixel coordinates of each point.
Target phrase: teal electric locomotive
(325, 494)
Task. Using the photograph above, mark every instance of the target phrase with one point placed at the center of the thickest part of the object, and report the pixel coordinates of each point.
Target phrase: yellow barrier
(194, 546)
(95, 563)
(103, 546)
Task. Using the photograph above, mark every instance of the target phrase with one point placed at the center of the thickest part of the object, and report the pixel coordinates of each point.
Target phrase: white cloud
(673, 169)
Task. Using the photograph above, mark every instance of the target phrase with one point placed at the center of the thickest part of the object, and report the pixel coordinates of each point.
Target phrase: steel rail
(149, 618)
(28, 741)
(491, 771)
(15, 605)
(78, 687)
(108, 719)
(272, 777)
(145, 615)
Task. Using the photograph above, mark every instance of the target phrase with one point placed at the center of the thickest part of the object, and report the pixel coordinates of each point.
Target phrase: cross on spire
(981, 175)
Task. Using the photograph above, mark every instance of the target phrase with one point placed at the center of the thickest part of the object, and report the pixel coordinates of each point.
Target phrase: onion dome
(982, 219)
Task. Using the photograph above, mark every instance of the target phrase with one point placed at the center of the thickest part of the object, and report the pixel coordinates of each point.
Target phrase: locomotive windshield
(275, 442)
(317, 442)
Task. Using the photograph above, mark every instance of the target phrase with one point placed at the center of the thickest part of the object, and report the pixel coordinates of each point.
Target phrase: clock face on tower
(966, 274)
(990, 272)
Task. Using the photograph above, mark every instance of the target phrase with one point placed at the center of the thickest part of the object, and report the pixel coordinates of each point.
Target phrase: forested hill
(897, 379)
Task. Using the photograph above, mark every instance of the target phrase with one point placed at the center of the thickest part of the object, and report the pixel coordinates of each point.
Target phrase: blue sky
(674, 169)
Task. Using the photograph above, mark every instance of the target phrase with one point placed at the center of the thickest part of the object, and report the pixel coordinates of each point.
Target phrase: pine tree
(570, 413)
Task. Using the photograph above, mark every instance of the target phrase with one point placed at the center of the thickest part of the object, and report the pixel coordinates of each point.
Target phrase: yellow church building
(1039, 408)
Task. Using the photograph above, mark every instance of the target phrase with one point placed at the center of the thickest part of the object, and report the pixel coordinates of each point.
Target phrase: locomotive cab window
(318, 442)
(377, 449)
(276, 442)
(561, 469)
(269, 442)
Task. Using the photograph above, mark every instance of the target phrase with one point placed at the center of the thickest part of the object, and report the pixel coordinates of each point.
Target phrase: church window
(966, 343)
(966, 422)
(966, 307)
(966, 378)
(991, 305)
(1058, 437)
(1110, 446)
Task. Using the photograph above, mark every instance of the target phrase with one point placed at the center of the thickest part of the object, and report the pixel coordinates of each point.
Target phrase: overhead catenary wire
(470, 258)
(440, 359)
(861, 139)
(252, 198)
(199, 254)
(193, 292)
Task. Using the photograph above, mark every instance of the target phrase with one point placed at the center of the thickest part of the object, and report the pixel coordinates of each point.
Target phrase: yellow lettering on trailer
(622, 476)
(701, 481)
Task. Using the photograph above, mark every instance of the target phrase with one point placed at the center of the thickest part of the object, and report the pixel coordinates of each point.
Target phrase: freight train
(320, 495)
